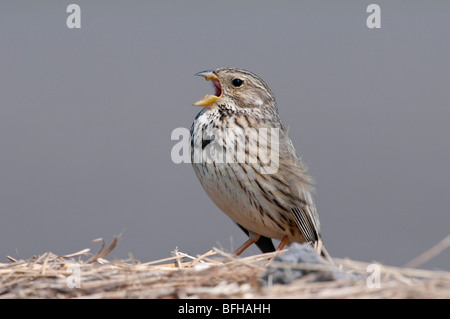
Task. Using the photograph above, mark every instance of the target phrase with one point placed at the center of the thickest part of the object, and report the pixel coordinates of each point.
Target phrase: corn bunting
(247, 164)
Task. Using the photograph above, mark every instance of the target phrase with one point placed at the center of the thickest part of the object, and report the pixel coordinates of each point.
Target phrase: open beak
(208, 100)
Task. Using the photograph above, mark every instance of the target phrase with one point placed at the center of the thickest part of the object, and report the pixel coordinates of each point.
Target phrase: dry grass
(211, 275)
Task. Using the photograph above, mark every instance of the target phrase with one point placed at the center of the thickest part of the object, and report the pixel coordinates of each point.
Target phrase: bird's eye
(237, 82)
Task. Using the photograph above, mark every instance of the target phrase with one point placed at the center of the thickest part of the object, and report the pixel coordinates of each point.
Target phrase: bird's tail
(321, 250)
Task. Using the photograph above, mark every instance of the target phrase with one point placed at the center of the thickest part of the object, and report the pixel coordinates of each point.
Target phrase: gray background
(86, 118)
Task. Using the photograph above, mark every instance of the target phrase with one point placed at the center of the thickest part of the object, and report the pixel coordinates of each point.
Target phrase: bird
(266, 199)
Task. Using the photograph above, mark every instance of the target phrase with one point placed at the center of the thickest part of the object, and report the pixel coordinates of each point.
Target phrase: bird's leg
(280, 247)
(282, 243)
(253, 238)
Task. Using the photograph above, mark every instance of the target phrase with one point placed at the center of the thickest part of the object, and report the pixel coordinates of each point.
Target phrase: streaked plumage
(277, 205)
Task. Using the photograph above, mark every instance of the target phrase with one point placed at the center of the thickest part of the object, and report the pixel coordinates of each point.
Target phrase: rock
(285, 268)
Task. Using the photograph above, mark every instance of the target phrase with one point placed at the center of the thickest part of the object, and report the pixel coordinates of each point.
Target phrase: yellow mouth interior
(207, 100)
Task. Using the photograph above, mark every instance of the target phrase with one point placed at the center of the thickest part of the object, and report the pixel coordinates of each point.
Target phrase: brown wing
(301, 188)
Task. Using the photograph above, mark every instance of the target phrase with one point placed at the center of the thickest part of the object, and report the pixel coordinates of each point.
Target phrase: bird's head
(236, 89)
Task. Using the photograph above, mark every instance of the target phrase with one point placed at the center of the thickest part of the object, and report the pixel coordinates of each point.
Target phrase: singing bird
(275, 205)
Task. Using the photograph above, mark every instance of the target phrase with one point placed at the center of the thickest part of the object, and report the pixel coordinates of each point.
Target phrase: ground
(213, 274)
